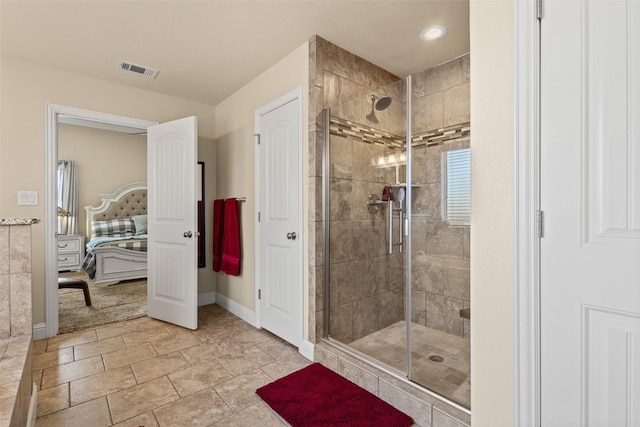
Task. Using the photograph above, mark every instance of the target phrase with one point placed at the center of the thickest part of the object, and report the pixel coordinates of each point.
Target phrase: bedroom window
(456, 186)
(67, 197)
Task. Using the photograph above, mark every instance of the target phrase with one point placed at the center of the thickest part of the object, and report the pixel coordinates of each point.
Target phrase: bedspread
(135, 243)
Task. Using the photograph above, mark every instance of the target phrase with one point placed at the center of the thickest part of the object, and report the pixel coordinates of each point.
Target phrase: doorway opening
(93, 162)
(75, 126)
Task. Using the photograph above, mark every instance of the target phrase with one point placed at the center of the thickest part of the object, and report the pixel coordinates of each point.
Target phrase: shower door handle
(292, 235)
(390, 210)
(400, 227)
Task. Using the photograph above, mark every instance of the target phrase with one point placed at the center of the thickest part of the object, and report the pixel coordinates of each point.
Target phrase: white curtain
(67, 197)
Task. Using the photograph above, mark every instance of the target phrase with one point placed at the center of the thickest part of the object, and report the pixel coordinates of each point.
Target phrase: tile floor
(450, 377)
(148, 373)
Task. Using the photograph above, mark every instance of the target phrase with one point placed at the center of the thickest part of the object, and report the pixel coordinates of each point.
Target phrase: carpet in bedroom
(123, 301)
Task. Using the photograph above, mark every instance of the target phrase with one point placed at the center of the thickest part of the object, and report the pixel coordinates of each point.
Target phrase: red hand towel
(218, 224)
(231, 239)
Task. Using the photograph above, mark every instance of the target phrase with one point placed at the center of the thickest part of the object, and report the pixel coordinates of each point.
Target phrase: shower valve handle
(292, 235)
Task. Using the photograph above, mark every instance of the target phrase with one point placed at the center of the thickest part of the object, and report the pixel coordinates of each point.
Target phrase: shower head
(377, 103)
(383, 103)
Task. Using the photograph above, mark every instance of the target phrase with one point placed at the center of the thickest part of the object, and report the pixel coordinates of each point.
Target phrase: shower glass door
(438, 279)
(396, 180)
(365, 164)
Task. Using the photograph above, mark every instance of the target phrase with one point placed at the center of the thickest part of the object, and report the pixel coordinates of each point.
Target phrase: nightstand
(70, 251)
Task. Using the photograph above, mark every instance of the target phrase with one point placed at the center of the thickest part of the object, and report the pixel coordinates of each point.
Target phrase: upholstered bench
(67, 283)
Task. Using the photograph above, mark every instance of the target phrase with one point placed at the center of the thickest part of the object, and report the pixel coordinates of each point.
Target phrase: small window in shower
(456, 186)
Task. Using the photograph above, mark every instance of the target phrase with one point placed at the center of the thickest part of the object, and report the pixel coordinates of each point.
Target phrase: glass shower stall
(396, 200)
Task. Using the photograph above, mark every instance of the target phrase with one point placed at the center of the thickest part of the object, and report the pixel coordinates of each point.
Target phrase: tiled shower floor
(449, 378)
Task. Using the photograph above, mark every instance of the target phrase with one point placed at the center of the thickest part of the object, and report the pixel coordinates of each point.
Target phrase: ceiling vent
(138, 69)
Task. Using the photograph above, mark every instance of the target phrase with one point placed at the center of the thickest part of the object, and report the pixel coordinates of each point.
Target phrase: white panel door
(280, 244)
(172, 293)
(590, 195)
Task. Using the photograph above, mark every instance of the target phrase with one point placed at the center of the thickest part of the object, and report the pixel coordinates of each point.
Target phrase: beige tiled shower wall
(15, 280)
(367, 286)
(343, 82)
(440, 252)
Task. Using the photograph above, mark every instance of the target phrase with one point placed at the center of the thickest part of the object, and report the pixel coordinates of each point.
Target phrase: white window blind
(456, 167)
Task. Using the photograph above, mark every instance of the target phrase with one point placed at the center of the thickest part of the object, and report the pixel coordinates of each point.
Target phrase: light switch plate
(27, 198)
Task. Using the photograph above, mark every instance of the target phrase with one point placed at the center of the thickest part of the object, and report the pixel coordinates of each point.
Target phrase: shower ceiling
(209, 49)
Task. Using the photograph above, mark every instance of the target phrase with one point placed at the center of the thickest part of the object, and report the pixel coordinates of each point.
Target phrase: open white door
(172, 293)
(279, 254)
(590, 195)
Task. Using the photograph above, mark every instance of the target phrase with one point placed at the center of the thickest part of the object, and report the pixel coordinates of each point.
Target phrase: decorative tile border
(342, 127)
(453, 133)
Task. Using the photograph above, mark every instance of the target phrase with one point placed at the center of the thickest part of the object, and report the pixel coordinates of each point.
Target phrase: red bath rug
(317, 396)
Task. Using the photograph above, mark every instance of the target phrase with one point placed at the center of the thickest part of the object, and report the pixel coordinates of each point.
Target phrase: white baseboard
(206, 299)
(233, 307)
(39, 331)
(33, 405)
(307, 349)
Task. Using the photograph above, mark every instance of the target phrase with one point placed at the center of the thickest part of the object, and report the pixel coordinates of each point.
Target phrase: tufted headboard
(125, 202)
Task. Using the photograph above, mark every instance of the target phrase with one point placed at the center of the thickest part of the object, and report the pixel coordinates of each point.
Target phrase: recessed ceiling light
(433, 34)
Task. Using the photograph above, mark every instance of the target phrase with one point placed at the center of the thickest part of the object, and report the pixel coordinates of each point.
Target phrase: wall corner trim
(39, 331)
(527, 244)
(307, 349)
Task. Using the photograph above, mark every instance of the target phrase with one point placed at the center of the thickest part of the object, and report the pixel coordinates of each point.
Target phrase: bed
(116, 236)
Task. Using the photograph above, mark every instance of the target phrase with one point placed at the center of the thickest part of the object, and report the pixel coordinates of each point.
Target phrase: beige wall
(26, 88)
(492, 235)
(105, 161)
(235, 158)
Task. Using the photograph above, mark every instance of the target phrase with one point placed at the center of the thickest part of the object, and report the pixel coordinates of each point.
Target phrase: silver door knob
(188, 234)
(292, 235)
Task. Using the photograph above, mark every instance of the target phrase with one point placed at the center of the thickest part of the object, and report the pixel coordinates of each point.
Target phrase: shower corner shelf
(404, 184)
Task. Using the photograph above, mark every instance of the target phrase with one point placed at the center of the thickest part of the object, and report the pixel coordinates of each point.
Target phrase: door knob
(188, 234)
(292, 235)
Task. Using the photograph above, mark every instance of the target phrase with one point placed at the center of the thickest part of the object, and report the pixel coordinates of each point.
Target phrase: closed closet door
(279, 256)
